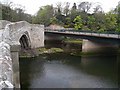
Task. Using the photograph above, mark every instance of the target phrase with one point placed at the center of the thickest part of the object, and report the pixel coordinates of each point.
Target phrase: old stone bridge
(14, 35)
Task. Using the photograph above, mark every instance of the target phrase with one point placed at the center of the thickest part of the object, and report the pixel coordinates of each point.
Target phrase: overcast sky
(32, 6)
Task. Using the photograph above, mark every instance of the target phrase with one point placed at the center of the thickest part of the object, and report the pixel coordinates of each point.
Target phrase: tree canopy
(16, 14)
(81, 16)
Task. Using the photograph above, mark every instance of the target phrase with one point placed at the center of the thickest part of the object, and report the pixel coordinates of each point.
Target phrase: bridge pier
(94, 46)
(15, 61)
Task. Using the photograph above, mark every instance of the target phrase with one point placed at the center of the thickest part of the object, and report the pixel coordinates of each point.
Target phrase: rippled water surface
(63, 70)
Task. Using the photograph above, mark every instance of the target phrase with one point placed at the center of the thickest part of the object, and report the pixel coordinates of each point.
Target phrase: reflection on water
(62, 70)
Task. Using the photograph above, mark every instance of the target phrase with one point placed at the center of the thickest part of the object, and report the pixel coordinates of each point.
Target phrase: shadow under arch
(25, 41)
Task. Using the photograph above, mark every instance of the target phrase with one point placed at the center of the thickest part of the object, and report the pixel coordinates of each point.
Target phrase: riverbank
(75, 41)
(71, 46)
(41, 51)
(50, 50)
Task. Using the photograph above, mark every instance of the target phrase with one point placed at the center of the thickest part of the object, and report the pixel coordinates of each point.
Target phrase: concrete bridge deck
(81, 33)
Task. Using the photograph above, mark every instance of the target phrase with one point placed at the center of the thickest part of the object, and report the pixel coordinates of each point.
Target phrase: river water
(64, 70)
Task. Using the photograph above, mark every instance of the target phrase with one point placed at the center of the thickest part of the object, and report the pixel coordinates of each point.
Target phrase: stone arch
(25, 41)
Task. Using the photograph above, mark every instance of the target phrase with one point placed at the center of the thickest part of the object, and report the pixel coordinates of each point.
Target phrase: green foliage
(91, 22)
(101, 30)
(118, 28)
(17, 14)
(54, 20)
(73, 12)
(85, 28)
(78, 22)
(67, 22)
(76, 17)
(118, 19)
(99, 21)
(110, 21)
(44, 15)
(79, 18)
(6, 15)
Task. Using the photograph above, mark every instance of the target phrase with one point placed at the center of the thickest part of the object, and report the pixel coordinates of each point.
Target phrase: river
(65, 70)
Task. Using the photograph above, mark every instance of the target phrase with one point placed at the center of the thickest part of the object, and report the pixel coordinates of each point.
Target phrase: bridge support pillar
(15, 60)
(94, 46)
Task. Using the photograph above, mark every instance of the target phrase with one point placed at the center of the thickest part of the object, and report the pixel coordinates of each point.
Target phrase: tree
(59, 8)
(91, 22)
(66, 8)
(118, 17)
(74, 7)
(0, 11)
(78, 22)
(98, 9)
(43, 15)
(14, 14)
(99, 21)
(73, 13)
(110, 21)
(68, 23)
(6, 12)
(54, 20)
(84, 7)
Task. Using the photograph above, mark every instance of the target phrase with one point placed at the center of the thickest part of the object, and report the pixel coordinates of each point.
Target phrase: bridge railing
(111, 34)
(87, 31)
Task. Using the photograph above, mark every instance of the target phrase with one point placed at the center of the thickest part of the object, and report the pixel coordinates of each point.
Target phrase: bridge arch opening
(24, 41)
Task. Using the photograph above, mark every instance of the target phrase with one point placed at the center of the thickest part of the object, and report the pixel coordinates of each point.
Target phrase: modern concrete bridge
(12, 36)
(91, 41)
(82, 34)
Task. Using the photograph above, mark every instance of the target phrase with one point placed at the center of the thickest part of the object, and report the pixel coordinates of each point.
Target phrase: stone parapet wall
(6, 69)
(6, 72)
(3, 24)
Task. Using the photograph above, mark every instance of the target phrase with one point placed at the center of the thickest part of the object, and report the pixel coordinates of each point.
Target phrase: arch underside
(25, 42)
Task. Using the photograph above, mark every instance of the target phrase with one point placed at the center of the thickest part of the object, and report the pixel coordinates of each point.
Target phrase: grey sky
(32, 6)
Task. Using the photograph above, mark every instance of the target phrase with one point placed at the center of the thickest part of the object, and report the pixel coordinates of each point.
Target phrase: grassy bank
(76, 41)
(51, 50)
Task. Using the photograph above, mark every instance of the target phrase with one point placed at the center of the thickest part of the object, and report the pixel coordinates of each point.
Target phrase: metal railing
(107, 34)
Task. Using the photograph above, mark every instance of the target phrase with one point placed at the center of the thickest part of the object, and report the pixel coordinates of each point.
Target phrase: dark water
(63, 70)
